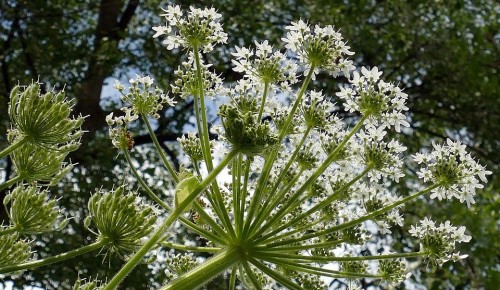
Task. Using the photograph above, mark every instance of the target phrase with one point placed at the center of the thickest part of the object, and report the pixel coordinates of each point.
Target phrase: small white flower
(373, 74)
(110, 120)
(160, 30)
(117, 85)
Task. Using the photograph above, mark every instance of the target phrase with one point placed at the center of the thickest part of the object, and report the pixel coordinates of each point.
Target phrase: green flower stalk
(121, 219)
(31, 211)
(12, 250)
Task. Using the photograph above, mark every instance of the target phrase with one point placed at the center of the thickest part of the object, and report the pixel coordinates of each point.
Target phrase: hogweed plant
(289, 199)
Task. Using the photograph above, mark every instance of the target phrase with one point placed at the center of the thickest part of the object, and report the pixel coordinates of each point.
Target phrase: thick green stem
(203, 110)
(160, 232)
(146, 188)
(10, 182)
(232, 280)
(55, 259)
(205, 143)
(205, 272)
(191, 248)
(18, 143)
(160, 150)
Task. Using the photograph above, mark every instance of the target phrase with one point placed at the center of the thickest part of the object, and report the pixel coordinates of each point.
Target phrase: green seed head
(44, 119)
(34, 163)
(118, 217)
(31, 211)
(13, 251)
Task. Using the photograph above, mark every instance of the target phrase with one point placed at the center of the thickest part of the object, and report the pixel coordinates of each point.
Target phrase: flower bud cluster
(311, 282)
(187, 84)
(316, 110)
(393, 271)
(453, 169)
(179, 264)
(382, 156)
(191, 145)
(376, 200)
(244, 133)
(439, 241)
(198, 28)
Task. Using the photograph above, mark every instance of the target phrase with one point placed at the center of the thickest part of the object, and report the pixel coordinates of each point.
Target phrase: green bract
(184, 188)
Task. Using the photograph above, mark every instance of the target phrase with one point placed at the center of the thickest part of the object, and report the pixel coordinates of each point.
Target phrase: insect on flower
(130, 141)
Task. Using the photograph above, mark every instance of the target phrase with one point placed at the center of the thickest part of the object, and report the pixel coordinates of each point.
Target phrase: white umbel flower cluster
(198, 28)
(452, 167)
(439, 241)
(265, 65)
(383, 102)
(319, 47)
